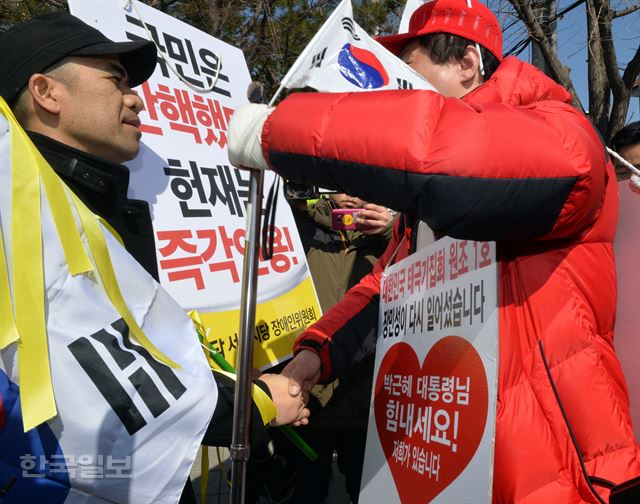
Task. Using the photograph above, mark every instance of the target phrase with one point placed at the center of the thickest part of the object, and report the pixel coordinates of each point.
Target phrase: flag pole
(240, 448)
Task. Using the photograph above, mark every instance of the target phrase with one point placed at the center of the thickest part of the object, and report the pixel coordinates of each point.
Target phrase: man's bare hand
(303, 372)
(290, 408)
(374, 219)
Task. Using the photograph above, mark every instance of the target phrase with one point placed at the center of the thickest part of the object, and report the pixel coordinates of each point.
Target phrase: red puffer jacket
(515, 163)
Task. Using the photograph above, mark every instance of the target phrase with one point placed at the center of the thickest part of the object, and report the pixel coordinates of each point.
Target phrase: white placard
(432, 423)
(197, 198)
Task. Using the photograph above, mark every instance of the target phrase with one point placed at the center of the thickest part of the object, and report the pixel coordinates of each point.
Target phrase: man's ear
(469, 67)
(44, 92)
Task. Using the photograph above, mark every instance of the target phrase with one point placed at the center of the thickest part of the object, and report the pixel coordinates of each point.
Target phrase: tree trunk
(544, 12)
(599, 97)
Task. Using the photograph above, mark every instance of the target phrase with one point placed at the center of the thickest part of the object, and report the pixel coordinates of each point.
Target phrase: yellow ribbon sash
(22, 289)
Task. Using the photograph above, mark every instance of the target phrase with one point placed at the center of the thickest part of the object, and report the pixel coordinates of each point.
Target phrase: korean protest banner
(431, 432)
(627, 331)
(197, 198)
(97, 401)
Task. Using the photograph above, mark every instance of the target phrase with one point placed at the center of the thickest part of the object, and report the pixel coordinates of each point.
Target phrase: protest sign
(431, 431)
(129, 405)
(627, 331)
(198, 199)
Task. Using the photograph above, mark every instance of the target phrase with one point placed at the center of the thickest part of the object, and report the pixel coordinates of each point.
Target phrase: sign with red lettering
(198, 199)
(431, 431)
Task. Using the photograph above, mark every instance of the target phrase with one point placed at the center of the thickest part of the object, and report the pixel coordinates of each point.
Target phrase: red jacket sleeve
(347, 332)
(483, 169)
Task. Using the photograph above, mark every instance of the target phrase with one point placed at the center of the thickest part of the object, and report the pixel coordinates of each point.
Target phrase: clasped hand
(290, 408)
(290, 390)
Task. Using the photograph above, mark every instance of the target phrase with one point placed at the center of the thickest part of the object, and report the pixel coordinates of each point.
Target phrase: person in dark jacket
(338, 259)
(70, 86)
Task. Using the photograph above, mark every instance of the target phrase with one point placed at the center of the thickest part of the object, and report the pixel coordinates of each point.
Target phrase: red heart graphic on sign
(430, 419)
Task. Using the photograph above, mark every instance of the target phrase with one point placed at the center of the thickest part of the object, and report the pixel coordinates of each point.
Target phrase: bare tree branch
(560, 71)
(632, 71)
(599, 95)
(620, 92)
(624, 12)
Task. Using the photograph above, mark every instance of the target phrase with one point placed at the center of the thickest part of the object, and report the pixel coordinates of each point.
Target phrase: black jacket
(102, 186)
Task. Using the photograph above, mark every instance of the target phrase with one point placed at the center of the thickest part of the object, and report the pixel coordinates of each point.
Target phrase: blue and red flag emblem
(362, 68)
(34, 458)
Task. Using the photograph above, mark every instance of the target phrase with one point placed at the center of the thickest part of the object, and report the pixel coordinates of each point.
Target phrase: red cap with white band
(466, 18)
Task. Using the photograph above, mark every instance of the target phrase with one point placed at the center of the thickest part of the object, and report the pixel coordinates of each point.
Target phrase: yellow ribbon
(36, 389)
(264, 403)
(28, 326)
(8, 330)
(100, 253)
(74, 251)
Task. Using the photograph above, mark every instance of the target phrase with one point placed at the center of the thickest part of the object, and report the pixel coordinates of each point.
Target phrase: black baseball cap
(35, 45)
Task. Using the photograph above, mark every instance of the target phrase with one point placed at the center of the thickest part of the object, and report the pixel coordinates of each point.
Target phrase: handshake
(290, 389)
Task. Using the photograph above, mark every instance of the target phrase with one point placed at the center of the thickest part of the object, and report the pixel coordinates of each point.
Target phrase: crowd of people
(498, 153)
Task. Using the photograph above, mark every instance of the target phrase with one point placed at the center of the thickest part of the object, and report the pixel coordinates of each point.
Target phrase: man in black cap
(69, 86)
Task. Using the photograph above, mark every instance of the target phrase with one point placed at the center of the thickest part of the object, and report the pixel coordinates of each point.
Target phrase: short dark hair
(448, 48)
(629, 135)
(18, 104)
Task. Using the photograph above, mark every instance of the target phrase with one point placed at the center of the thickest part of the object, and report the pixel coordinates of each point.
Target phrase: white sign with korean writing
(198, 198)
(627, 244)
(431, 431)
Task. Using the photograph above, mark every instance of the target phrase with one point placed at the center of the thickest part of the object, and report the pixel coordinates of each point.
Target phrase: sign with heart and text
(432, 423)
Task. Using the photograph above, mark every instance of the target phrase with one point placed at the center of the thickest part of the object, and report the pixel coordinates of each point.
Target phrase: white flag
(410, 7)
(342, 57)
(126, 427)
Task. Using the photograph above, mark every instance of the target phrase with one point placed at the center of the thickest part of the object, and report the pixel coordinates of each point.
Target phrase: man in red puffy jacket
(498, 154)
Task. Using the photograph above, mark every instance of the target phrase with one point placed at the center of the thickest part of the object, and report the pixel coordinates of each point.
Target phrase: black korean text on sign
(225, 186)
(197, 67)
(280, 326)
(456, 306)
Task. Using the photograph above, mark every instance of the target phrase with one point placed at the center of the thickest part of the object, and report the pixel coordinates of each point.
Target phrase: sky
(572, 46)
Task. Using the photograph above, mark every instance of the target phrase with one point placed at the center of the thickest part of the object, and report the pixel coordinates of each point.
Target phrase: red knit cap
(476, 23)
